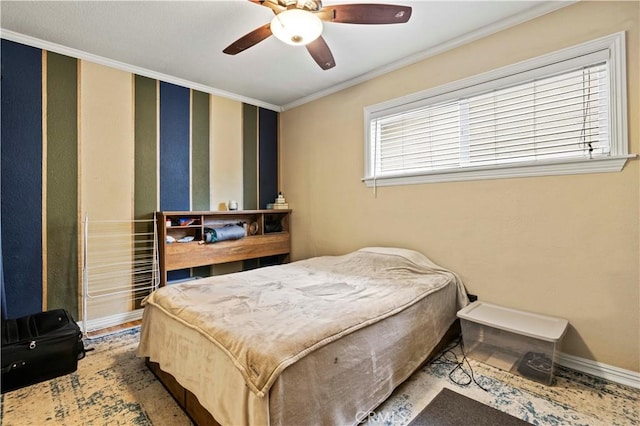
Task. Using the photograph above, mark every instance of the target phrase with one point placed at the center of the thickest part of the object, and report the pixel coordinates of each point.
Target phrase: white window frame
(610, 48)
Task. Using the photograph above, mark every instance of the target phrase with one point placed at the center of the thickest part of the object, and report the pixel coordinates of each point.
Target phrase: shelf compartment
(189, 255)
(271, 238)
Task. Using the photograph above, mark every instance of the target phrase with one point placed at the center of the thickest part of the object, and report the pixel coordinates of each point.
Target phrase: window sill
(597, 165)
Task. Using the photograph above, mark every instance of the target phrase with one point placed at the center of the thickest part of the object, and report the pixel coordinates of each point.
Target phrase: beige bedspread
(274, 306)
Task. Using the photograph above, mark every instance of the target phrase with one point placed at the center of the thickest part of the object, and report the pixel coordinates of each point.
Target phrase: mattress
(319, 341)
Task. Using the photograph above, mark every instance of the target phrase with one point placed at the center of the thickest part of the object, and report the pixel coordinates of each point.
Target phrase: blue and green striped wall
(80, 138)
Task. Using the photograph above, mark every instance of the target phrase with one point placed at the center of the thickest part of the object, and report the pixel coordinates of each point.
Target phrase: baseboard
(111, 321)
(598, 369)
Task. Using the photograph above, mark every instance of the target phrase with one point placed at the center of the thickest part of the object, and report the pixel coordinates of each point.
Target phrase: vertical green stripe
(62, 183)
(250, 156)
(200, 151)
(145, 200)
(200, 189)
(146, 169)
(250, 165)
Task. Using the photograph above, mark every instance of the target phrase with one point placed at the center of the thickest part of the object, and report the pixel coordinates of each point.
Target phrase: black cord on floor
(449, 357)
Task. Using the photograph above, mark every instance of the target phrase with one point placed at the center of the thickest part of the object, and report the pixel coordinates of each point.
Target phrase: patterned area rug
(114, 387)
(575, 399)
(111, 387)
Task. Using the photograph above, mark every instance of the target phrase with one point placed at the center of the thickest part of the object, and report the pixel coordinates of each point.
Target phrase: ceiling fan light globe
(296, 27)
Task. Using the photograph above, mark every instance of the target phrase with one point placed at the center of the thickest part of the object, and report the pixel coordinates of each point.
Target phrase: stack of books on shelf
(280, 203)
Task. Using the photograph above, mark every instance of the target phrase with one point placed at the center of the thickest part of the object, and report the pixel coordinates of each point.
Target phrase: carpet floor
(113, 387)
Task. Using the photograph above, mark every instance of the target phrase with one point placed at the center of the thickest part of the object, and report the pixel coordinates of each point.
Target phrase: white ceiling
(182, 42)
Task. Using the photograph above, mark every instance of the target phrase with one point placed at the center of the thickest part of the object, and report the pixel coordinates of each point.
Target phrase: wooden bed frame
(201, 417)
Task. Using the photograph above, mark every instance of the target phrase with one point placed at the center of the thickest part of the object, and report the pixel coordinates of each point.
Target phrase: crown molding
(542, 9)
(82, 55)
(535, 12)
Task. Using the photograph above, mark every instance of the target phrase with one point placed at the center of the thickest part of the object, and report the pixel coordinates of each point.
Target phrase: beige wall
(106, 186)
(226, 162)
(226, 152)
(566, 246)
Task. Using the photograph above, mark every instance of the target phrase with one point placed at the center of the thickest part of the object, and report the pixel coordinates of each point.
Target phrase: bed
(318, 341)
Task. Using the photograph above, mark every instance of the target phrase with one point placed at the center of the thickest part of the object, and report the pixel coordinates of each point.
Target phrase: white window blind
(554, 113)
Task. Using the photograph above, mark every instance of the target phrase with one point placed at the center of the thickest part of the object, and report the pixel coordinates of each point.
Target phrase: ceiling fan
(299, 23)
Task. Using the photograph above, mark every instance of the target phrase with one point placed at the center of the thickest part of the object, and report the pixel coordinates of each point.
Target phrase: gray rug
(450, 408)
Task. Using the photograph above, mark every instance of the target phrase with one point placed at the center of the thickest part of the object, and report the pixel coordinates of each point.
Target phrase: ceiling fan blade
(366, 13)
(321, 53)
(248, 40)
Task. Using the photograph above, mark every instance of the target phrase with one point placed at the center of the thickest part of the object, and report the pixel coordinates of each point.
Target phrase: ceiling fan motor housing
(299, 23)
(296, 26)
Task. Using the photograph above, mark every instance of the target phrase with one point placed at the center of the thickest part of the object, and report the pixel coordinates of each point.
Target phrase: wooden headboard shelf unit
(268, 234)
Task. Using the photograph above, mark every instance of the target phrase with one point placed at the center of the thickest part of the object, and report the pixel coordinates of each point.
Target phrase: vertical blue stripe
(268, 157)
(21, 181)
(174, 153)
(3, 298)
(174, 147)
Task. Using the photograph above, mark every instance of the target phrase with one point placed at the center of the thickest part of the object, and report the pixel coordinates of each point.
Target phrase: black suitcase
(39, 347)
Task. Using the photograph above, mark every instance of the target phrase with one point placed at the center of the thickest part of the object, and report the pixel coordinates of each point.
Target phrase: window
(563, 113)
